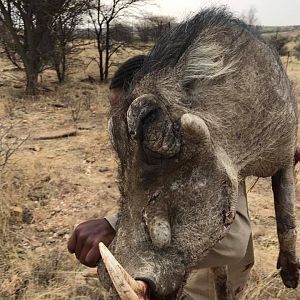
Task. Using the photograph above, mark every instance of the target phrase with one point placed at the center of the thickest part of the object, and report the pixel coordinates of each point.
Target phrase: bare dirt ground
(52, 184)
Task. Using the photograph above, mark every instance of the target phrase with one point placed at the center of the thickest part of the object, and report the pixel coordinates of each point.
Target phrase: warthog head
(178, 194)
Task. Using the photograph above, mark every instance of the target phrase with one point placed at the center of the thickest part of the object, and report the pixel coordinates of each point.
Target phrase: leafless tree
(249, 16)
(120, 32)
(65, 37)
(9, 48)
(279, 42)
(28, 24)
(297, 51)
(144, 31)
(8, 145)
(152, 27)
(35, 31)
(159, 25)
(102, 15)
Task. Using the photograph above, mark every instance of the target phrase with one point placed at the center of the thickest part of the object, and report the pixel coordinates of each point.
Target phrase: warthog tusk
(127, 287)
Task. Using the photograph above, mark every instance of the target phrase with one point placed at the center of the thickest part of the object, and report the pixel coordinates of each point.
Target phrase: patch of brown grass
(30, 180)
(268, 286)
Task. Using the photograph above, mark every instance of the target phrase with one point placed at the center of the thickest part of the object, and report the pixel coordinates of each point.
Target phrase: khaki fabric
(200, 284)
(235, 251)
(112, 220)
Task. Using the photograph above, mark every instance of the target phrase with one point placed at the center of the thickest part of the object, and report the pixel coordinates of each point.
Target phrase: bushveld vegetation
(56, 165)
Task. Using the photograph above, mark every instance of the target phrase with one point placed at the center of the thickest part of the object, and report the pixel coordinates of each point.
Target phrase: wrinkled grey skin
(174, 177)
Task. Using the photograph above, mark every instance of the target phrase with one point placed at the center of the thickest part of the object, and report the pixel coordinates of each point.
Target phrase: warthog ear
(150, 124)
(195, 129)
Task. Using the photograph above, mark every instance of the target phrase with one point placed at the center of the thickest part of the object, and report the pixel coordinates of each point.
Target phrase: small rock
(21, 214)
(85, 127)
(59, 105)
(36, 244)
(90, 160)
(62, 232)
(27, 216)
(35, 148)
(103, 169)
(10, 136)
(51, 239)
(66, 236)
(16, 210)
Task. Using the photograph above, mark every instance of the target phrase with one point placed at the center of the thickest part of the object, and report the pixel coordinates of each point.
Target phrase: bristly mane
(173, 44)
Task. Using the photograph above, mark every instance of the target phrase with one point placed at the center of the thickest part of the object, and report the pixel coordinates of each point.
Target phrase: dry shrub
(79, 100)
(45, 186)
(268, 286)
(12, 194)
(9, 143)
(7, 107)
(49, 274)
(45, 272)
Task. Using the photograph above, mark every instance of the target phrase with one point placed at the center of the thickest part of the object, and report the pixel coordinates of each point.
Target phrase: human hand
(85, 239)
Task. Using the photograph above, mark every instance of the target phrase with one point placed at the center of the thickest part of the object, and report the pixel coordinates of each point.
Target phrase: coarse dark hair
(123, 77)
(174, 43)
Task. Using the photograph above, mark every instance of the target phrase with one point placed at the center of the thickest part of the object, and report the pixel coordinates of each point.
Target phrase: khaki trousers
(235, 251)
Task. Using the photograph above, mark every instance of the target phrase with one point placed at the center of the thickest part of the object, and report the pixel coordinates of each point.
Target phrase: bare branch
(102, 17)
(8, 144)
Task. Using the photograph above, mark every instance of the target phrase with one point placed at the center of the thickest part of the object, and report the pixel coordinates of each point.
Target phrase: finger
(93, 257)
(278, 263)
(85, 250)
(72, 242)
(80, 243)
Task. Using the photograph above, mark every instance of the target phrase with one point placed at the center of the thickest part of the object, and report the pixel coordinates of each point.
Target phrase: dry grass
(51, 185)
(268, 287)
(34, 263)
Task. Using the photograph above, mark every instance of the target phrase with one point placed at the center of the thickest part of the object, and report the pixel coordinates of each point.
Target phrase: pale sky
(269, 12)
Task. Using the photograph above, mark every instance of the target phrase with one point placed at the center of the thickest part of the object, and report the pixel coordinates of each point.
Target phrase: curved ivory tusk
(127, 287)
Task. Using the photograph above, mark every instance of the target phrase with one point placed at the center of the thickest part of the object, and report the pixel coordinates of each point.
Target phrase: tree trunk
(100, 52)
(64, 67)
(61, 69)
(31, 80)
(107, 50)
(59, 74)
